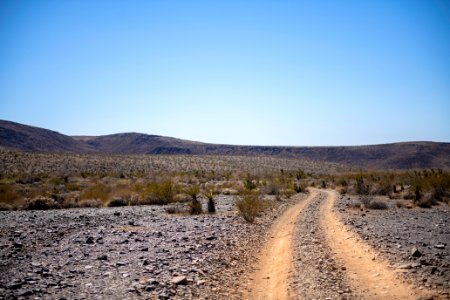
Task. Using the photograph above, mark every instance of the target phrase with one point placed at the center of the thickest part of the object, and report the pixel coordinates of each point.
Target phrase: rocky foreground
(145, 253)
(415, 241)
(128, 253)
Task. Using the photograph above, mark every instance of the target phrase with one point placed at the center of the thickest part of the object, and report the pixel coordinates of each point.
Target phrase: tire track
(275, 260)
(370, 277)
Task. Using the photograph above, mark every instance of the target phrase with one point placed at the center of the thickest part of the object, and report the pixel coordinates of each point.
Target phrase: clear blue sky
(236, 72)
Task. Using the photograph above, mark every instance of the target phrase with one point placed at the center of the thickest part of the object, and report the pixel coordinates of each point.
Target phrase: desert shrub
(71, 186)
(365, 201)
(117, 202)
(249, 184)
(195, 205)
(249, 206)
(211, 204)
(375, 204)
(41, 203)
(171, 210)
(288, 193)
(57, 181)
(5, 206)
(92, 203)
(360, 187)
(8, 195)
(271, 188)
(159, 193)
(97, 191)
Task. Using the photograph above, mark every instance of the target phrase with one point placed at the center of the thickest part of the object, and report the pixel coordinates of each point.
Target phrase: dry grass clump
(97, 191)
(158, 193)
(41, 203)
(250, 206)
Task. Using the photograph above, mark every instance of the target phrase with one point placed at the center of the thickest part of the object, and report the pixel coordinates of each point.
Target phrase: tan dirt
(368, 273)
(275, 260)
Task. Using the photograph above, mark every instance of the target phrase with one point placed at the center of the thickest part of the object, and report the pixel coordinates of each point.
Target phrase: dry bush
(117, 202)
(41, 203)
(8, 195)
(158, 193)
(97, 191)
(5, 206)
(376, 204)
(250, 206)
(89, 203)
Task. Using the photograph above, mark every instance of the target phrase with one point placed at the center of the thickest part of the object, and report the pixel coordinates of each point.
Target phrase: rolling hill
(405, 155)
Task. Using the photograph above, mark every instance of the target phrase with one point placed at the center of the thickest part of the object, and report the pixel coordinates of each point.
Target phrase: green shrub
(249, 184)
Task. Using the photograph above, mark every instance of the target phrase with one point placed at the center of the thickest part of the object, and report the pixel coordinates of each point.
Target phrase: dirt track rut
(312, 255)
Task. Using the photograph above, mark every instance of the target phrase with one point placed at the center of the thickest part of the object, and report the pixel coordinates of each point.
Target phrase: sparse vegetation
(249, 206)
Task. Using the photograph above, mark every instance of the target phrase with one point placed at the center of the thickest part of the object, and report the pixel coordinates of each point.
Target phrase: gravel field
(317, 274)
(129, 252)
(415, 241)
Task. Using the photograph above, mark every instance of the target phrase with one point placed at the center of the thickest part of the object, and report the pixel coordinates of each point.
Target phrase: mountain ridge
(402, 155)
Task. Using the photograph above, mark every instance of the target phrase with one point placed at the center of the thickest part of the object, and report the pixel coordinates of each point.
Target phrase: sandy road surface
(275, 262)
(368, 275)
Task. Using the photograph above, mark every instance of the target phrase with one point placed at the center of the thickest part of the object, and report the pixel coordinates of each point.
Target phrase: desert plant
(211, 204)
(97, 191)
(88, 203)
(41, 203)
(249, 206)
(159, 193)
(374, 204)
(249, 184)
(116, 202)
(195, 205)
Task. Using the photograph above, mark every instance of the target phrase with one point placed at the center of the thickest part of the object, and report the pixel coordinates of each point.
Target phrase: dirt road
(275, 262)
(311, 254)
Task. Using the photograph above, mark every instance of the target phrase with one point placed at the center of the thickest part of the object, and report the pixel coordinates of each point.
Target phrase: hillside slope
(407, 155)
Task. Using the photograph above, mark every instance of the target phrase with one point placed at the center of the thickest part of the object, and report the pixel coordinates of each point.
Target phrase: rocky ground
(127, 253)
(317, 275)
(415, 241)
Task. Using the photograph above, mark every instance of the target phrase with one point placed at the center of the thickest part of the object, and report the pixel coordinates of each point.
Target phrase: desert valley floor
(315, 245)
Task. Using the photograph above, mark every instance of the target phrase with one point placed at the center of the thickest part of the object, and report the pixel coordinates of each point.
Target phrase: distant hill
(406, 155)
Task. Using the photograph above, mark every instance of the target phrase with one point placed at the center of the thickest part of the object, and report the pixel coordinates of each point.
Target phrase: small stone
(90, 240)
(150, 288)
(405, 266)
(102, 257)
(117, 213)
(146, 262)
(179, 280)
(439, 246)
(415, 252)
